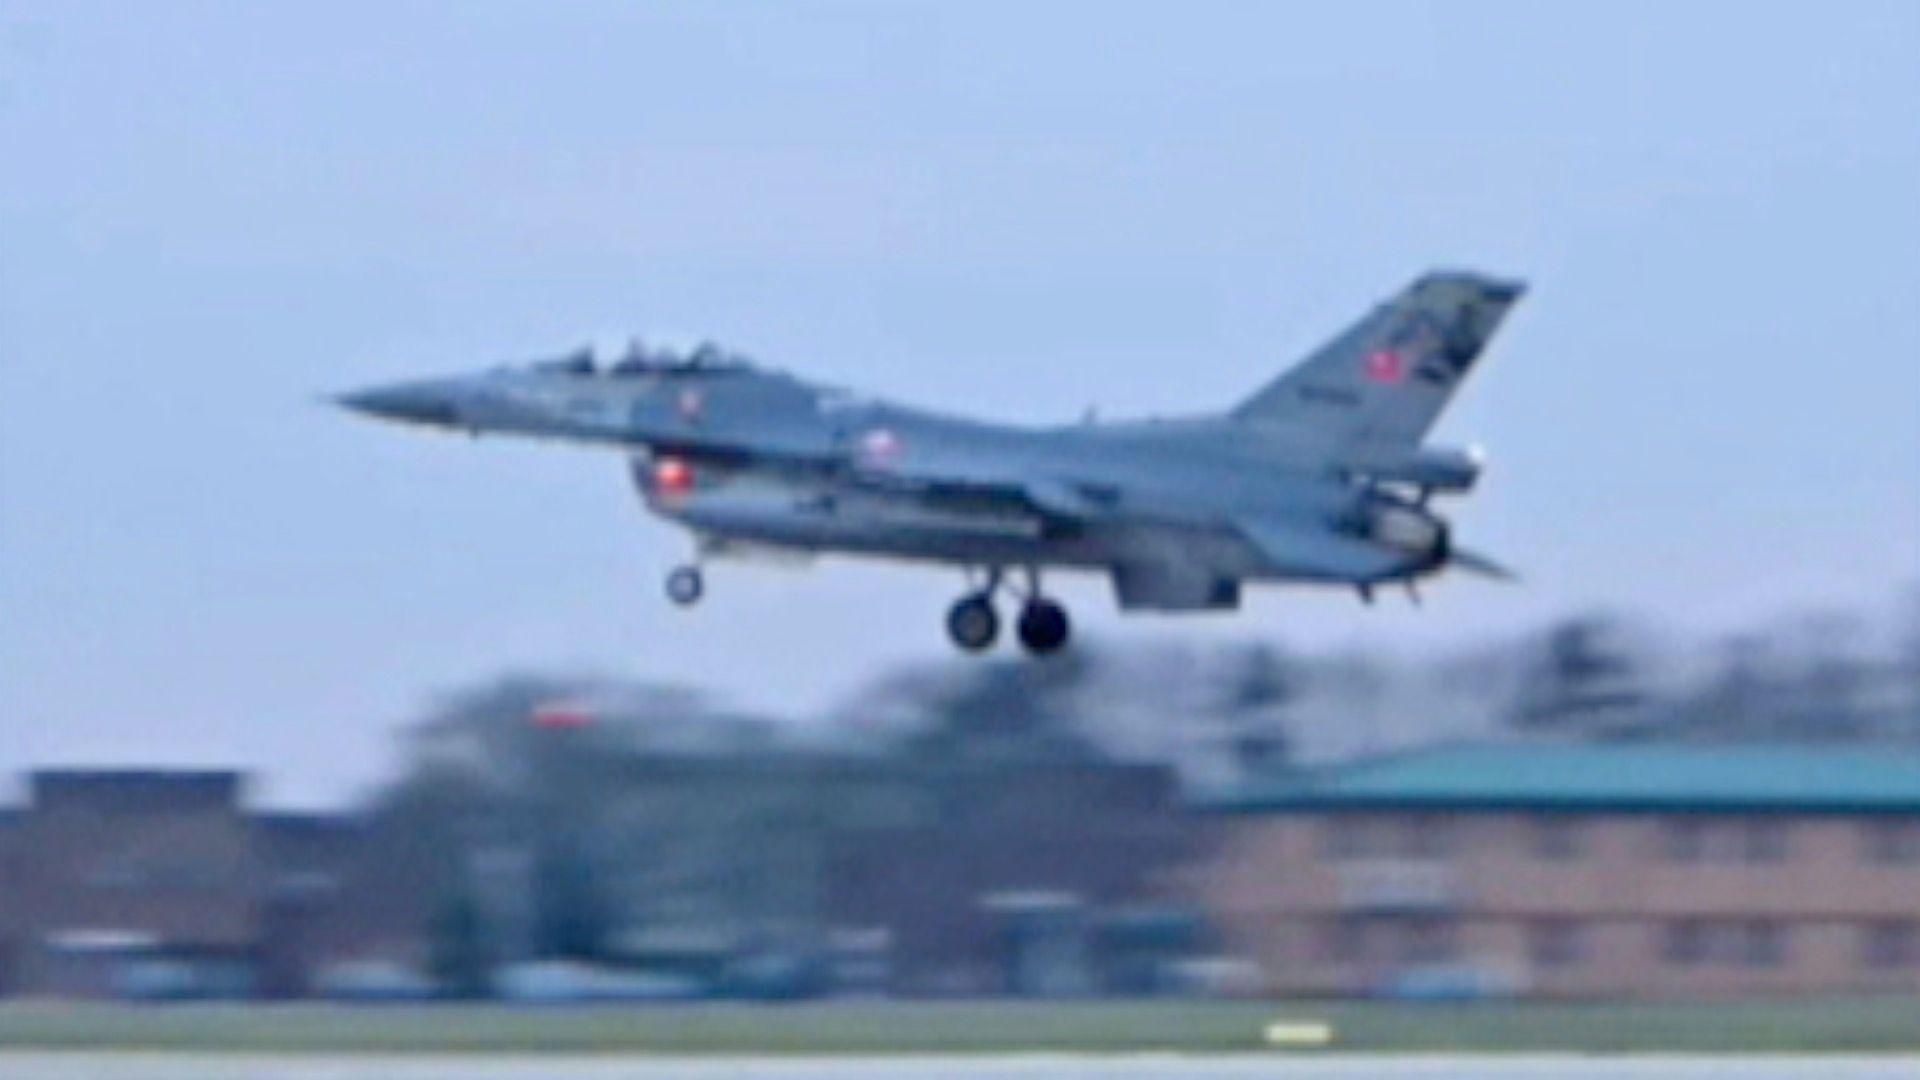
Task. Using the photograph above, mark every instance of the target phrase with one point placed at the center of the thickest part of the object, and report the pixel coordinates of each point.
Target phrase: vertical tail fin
(1386, 377)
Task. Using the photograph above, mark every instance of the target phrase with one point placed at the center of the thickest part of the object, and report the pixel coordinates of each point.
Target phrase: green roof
(1602, 777)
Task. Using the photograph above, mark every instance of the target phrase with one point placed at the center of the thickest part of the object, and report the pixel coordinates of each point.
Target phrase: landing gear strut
(686, 585)
(974, 624)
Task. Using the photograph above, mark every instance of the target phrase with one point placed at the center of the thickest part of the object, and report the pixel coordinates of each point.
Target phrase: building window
(1555, 943)
(1893, 842)
(1345, 838)
(1686, 942)
(1430, 940)
(116, 874)
(1427, 838)
(1686, 840)
(1765, 944)
(1346, 939)
(1894, 943)
(1556, 838)
(1766, 841)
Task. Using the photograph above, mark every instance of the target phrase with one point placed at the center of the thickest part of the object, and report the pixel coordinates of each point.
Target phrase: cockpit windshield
(705, 357)
(638, 360)
(577, 362)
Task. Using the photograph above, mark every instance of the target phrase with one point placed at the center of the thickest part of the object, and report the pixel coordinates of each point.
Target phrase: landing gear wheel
(1044, 627)
(686, 585)
(973, 624)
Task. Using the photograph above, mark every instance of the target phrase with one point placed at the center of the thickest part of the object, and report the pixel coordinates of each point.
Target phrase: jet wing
(1299, 548)
(1066, 499)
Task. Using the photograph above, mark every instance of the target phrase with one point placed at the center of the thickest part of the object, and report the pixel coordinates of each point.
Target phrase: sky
(1707, 410)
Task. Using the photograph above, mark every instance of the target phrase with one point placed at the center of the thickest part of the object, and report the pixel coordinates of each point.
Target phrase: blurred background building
(1595, 810)
(1578, 871)
(119, 880)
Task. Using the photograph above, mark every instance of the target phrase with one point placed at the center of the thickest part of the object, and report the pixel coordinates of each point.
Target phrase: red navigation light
(562, 716)
(672, 476)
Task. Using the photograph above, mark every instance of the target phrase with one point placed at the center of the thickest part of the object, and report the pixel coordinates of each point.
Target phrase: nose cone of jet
(413, 403)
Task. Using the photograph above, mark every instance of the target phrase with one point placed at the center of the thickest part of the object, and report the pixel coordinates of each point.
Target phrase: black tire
(686, 585)
(973, 624)
(1044, 627)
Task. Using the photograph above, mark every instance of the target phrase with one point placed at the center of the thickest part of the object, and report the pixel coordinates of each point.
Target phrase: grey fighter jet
(1321, 476)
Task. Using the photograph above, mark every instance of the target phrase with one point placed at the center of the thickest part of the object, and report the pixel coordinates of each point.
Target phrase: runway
(140, 1066)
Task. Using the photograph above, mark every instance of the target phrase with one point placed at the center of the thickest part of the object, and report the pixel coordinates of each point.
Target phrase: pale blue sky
(1708, 408)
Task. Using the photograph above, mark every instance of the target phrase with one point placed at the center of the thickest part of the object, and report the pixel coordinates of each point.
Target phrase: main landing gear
(974, 624)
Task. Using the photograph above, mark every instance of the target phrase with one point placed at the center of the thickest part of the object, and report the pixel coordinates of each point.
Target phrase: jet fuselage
(1319, 477)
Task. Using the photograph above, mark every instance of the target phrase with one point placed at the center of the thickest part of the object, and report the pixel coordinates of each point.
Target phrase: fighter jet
(1321, 476)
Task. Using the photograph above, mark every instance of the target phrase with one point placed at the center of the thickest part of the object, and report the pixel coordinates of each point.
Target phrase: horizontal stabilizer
(1301, 550)
(1430, 468)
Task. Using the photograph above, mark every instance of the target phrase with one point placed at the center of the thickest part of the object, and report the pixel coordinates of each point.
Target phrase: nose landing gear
(1043, 625)
(686, 585)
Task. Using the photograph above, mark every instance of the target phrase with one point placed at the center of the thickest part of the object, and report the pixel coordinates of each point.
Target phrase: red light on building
(562, 716)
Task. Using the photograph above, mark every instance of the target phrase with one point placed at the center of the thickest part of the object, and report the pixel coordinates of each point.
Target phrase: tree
(458, 956)
(570, 914)
(1739, 698)
(1259, 684)
(1580, 678)
(990, 706)
(1826, 694)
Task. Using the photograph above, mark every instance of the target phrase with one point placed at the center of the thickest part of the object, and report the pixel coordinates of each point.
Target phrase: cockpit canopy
(578, 362)
(639, 360)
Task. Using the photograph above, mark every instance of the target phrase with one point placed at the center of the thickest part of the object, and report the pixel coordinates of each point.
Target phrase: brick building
(160, 883)
(1577, 871)
(123, 879)
(9, 905)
